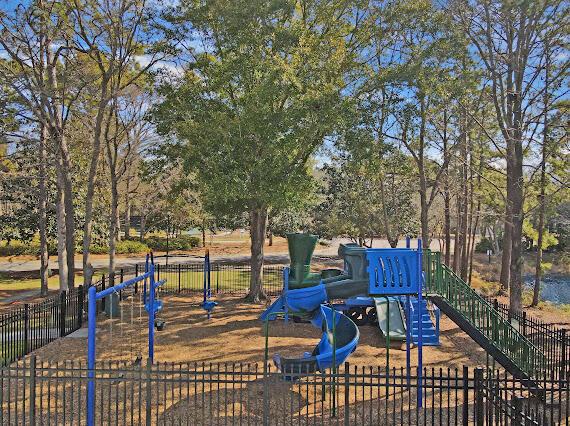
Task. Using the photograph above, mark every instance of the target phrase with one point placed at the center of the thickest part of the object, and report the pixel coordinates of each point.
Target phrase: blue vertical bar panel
(207, 260)
(285, 290)
(206, 276)
(151, 315)
(91, 329)
(420, 331)
(408, 338)
(408, 242)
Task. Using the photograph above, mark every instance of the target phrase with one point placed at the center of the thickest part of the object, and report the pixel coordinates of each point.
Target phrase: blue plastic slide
(338, 331)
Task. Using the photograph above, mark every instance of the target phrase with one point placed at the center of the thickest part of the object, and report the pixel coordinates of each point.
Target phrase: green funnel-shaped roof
(301, 247)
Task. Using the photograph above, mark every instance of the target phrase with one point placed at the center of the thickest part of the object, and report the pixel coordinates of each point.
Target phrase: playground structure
(377, 280)
(392, 288)
(152, 306)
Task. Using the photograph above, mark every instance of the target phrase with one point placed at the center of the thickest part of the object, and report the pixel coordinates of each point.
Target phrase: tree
(45, 72)
(506, 36)
(262, 91)
(112, 33)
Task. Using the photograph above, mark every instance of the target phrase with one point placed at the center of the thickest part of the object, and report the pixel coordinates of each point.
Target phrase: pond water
(554, 288)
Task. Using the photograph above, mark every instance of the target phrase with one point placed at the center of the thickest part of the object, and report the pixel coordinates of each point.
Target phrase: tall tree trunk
(142, 229)
(127, 212)
(113, 228)
(506, 254)
(516, 250)
(446, 195)
(541, 197)
(69, 228)
(203, 229)
(61, 231)
(457, 243)
(257, 230)
(44, 252)
(424, 207)
(95, 152)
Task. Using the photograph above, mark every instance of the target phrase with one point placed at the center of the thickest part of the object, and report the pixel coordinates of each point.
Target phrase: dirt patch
(235, 334)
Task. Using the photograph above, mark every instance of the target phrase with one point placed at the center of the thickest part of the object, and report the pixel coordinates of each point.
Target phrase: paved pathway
(321, 254)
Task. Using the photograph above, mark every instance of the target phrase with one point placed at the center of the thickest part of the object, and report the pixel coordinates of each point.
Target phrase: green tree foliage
(261, 92)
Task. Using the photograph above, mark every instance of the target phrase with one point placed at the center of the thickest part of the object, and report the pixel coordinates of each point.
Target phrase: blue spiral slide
(338, 330)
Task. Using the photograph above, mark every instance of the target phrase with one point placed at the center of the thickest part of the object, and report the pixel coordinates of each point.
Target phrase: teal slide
(396, 327)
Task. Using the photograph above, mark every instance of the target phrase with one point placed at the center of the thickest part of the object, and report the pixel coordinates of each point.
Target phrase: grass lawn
(223, 280)
(10, 285)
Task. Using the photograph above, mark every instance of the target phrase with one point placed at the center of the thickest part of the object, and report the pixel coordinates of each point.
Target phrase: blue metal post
(151, 316)
(408, 337)
(408, 242)
(144, 284)
(420, 331)
(207, 260)
(285, 290)
(205, 277)
(91, 329)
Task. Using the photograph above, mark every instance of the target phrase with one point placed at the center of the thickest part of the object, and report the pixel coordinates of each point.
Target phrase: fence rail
(34, 392)
(31, 326)
(553, 341)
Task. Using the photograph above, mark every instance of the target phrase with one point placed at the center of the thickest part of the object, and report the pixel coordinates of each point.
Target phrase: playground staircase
(430, 331)
(484, 324)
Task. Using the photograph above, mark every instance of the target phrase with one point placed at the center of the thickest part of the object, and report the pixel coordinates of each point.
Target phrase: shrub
(183, 242)
(483, 245)
(131, 246)
(18, 248)
(122, 247)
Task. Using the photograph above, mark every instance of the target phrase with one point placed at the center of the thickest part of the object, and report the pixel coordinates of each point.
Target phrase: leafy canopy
(262, 91)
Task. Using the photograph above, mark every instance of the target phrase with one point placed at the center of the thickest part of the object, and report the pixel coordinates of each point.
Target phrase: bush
(122, 247)
(484, 245)
(18, 248)
(131, 246)
(183, 242)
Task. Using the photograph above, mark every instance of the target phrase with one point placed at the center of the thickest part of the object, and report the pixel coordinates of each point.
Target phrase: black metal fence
(34, 325)
(33, 392)
(31, 326)
(553, 341)
(224, 278)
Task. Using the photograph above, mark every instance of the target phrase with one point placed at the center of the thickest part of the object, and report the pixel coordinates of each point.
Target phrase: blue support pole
(151, 315)
(207, 268)
(420, 331)
(408, 338)
(408, 242)
(91, 329)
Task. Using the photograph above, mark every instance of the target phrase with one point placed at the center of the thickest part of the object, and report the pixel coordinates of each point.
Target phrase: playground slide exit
(340, 335)
(395, 328)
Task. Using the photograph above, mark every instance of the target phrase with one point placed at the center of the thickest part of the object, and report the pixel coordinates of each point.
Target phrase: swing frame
(93, 296)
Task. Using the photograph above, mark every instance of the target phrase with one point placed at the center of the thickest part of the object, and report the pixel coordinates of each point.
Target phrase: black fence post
(26, 327)
(564, 355)
(479, 408)
(516, 411)
(122, 275)
(179, 273)
(148, 392)
(102, 288)
(80, 306)
(217, 278)
(346, 394)
(465, 407)
(158, 271)
(32, 411)
(62, 312)
(524, 323)
(136, 275)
